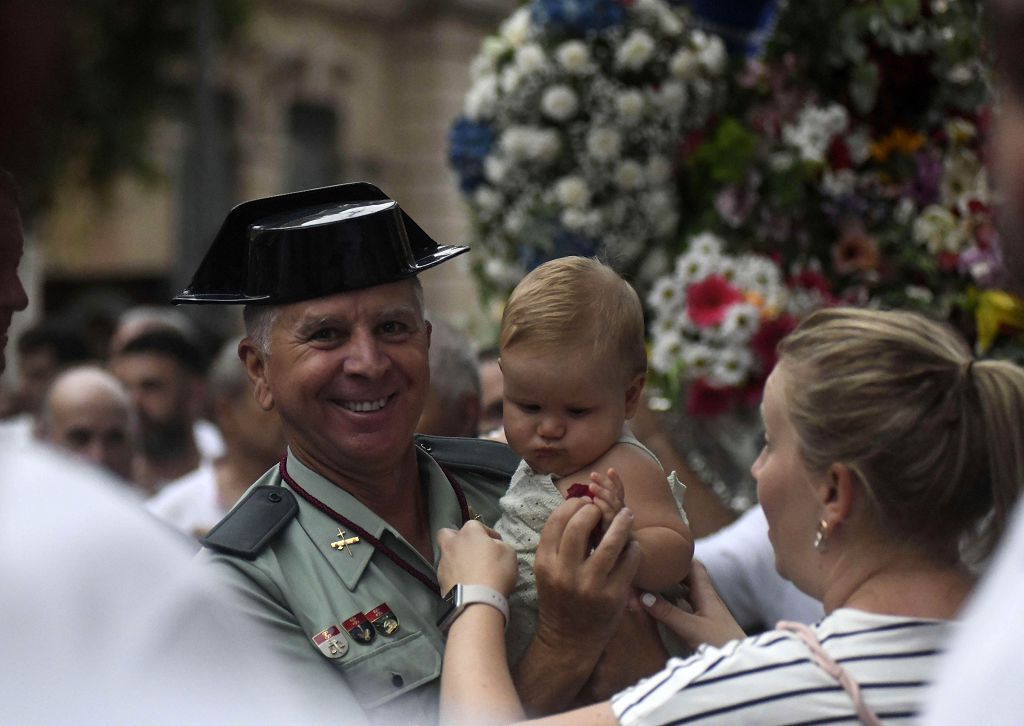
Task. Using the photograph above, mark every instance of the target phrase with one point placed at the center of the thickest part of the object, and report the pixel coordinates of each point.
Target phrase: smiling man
(334, 548)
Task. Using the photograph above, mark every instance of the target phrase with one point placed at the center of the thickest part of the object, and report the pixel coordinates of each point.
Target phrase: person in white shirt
(253, 442)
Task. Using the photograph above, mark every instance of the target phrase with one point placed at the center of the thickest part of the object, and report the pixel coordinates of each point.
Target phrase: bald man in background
(89, 413)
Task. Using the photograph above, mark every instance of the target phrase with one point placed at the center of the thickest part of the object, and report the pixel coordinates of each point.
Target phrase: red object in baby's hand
(583, 490)
(578, 490)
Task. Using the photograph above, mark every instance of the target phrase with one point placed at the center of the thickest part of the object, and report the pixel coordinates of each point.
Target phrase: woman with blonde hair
(891, 462)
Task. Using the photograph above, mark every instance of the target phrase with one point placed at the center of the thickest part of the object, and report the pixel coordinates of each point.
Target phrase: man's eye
(324, 334)
(393, 327)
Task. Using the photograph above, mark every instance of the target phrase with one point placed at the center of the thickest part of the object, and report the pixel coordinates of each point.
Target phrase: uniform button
(427, 447)
(397, 680)
(274, 497)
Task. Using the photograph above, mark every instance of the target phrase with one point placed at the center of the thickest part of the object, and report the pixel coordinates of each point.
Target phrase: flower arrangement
(716, 321)
(567, 140)
(852, 153)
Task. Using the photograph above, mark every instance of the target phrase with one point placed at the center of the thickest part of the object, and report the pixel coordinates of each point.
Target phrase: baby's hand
(609, 495)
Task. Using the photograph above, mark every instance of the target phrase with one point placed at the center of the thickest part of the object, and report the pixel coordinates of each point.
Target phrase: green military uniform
(275, 549)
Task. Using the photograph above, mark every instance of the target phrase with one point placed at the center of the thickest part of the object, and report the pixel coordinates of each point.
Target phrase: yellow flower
(899, 140)
(995, 309)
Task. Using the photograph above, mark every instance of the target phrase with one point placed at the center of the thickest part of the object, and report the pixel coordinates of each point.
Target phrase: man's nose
(364, 355)
(13, 295)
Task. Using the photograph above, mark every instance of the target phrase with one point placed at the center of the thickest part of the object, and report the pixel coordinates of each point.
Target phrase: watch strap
(462, 596)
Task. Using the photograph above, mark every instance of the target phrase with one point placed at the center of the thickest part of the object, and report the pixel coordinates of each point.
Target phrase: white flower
(706, 245)
(487, 199)
(510, 78)
(666, 297)
(529, 143)
(659, 170)
(759, 275)
(781, 161)
(630, 105)
(498, 269)
(858, 143)
(712, 55)
(495, 169)
(730, 367)
(741, 322)
(573, 219)
(684, 64)
(838, 183)
(692, 267)
(814, 130)
(481, 66)
(604, 143)
(629, 175)
(559, 103)
(635, 51)
(919, 293)
(516, 28)
(666, 351)
(514, 222)
(698, 359)
(938, 228)
(572, 191)
(963, 179)
(530, 58)
(482, 98)
(672, 96)
(573, 56)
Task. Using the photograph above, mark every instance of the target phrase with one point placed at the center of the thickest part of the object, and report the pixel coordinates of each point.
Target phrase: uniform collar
(443, 510)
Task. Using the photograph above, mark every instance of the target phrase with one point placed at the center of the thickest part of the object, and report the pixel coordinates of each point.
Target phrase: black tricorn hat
(309, 244)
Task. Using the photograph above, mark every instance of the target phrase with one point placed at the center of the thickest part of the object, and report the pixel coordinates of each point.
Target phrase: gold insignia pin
(344, 542)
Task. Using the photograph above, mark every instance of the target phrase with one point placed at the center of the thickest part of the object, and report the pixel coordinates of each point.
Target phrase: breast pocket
(392, 669)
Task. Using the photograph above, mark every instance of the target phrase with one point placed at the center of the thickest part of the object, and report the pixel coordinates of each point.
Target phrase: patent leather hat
(309, 244)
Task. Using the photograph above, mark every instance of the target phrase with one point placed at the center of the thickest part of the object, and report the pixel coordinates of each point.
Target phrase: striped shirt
(771, 679)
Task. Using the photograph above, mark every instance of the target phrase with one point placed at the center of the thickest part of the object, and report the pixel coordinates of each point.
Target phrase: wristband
(460, 596)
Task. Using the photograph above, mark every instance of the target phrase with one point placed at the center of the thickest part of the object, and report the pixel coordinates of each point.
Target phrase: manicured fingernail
(648, 599)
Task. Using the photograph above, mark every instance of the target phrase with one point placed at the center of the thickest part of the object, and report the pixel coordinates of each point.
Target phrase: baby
(574, 363)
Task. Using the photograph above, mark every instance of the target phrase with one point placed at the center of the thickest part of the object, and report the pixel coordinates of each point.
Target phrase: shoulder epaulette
(481, 455)
(250, 526)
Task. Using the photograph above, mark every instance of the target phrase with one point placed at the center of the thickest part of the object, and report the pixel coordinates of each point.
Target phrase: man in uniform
(334, 548)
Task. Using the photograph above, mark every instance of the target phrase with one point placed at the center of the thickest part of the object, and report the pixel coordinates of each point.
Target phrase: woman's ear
(633, 391)
(255, 365)
(839, 492)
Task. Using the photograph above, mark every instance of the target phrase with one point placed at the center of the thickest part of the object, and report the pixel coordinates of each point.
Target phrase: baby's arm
(664, 539)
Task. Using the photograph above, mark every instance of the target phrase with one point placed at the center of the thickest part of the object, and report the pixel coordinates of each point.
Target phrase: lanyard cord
(366, 536)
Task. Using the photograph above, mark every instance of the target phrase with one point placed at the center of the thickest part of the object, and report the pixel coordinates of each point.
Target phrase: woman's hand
(710, 622)
(475, 555)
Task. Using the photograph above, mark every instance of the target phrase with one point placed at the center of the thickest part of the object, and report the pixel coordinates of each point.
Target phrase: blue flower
(469, 143)
(566, 244)
(578, 15)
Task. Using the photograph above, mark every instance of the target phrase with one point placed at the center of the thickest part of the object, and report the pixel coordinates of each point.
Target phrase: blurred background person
(165, 376)
(453, 399)
(492, 401)
(90, 414)
(42, 352)
(140, 319)
(253, 441)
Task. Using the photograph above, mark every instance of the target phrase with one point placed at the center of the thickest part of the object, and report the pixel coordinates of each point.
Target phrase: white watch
(462, 595)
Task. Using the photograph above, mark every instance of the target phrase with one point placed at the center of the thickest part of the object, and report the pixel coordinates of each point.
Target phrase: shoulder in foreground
(479, 455)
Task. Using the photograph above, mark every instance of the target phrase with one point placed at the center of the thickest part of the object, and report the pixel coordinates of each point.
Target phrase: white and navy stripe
(771, 679)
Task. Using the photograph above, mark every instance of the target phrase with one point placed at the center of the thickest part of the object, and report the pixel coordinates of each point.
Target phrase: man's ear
(633, 391)
(255, 363)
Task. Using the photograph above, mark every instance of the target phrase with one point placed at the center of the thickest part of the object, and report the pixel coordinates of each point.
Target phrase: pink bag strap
(818, 654)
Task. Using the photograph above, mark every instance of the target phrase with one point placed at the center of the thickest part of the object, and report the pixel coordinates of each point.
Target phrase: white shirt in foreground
(980, 678)
(108, 620)
(190, 504)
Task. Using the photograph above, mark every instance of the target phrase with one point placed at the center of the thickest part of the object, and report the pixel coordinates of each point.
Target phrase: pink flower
(707, 301)
(707, 400)
(856, 250)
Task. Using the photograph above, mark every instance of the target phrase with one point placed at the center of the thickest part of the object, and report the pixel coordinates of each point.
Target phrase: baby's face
(563, 410)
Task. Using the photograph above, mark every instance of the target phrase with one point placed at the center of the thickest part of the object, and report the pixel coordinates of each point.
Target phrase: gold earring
(821, 537)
